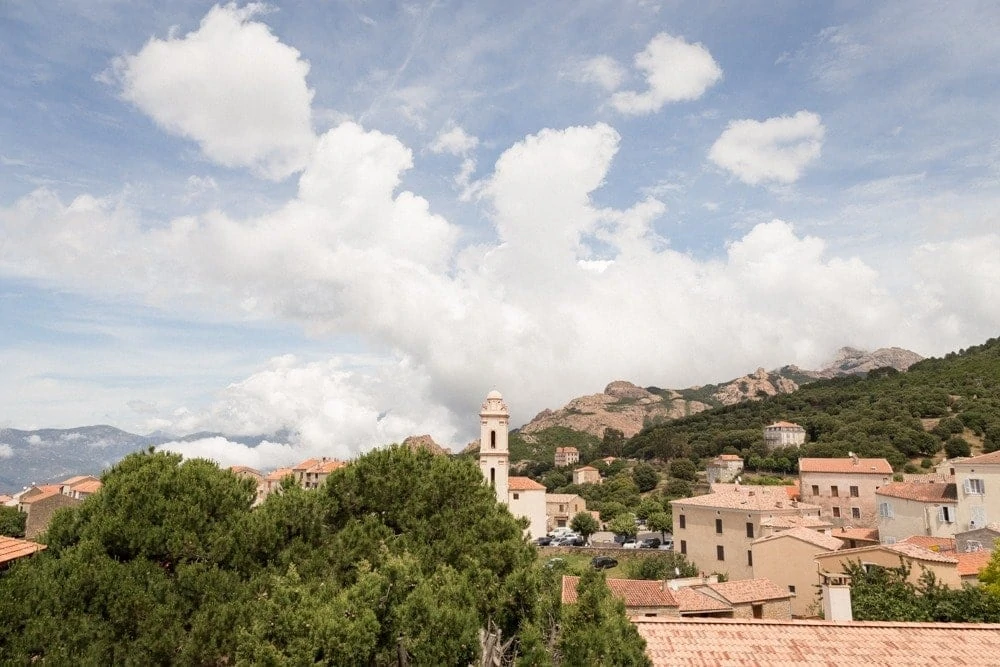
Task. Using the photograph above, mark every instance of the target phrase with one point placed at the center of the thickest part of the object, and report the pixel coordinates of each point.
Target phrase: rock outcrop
(418, 442)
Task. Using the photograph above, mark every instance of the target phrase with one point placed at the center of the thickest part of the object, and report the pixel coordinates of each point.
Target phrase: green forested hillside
(401, 557)
(937, 403)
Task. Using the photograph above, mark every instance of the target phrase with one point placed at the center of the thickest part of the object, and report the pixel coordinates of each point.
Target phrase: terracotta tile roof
(726, 641)
(4, 498)
(760, 498)
(561, 497)
(750, 590)
(784, 425)
(795, 521)
(76, 480)
(692, 601)
(973, 562)
(729, 457)
(567, 450)
(928, 542)
(12, 548)
(588, 468)
(983, 459)
(90, 486)
(933, 492)
(279, 474)
(246, 470)
(305, 465)
(846, 465)
(906, 549)
(48, 493)
(860, 534)
(635, 592)
(327, 466)
(807, 535)
(523, 484)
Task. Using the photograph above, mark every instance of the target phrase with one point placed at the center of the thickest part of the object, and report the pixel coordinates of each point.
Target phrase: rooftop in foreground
(704, 641)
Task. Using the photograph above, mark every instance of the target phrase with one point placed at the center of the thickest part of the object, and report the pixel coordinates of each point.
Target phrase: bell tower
(494, 420)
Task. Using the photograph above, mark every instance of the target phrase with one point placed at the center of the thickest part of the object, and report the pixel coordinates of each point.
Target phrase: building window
(493, 476)
(718, 525)
(836, 512)
(974, 486)
(758, 610)
(493, 439)
(516, 496)
(854, 492)
(750, 529)
(749, 558)
(720, 552)
(855, 512)
(946, 514)
(562, 508)
(682, 522)
(834, 492)
(815, 489)
(684, 547)
(791, 588)
(885, 510)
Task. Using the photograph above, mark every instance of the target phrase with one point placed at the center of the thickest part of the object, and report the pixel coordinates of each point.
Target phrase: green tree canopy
(585, 524)
(596, 630)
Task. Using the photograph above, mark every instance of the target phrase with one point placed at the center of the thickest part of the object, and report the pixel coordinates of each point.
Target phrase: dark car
(544, 541)
(603, 562)
(650, 543)
(576, 541)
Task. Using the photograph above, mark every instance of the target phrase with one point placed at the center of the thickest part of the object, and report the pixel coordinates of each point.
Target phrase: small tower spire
(494, 456)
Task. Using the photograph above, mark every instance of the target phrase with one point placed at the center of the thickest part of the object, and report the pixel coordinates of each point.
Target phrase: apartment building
(784, 434)
(560, 508)
(977, 482)
(912, 508)
(587, 475)
(844, 488)
(788, 559)
(716, 531)
(724, 468)
(566, 456)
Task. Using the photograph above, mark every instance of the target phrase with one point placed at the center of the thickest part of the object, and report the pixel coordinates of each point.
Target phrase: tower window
(493, 439)
(493, 476)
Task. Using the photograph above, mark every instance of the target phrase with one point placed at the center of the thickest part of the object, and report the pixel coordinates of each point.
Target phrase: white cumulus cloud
(232, 87)
(675, 71)
(776, 150)
(605, 71)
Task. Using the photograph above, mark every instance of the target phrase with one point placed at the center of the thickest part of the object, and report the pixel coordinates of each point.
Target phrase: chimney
(836, 597)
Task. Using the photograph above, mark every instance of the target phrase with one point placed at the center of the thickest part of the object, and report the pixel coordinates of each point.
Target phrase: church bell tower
(494, 457)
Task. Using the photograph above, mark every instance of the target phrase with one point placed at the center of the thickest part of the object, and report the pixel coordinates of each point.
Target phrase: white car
(630, 544)
(667, 545)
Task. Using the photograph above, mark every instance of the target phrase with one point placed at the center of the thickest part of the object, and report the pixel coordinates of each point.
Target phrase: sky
(346, 222)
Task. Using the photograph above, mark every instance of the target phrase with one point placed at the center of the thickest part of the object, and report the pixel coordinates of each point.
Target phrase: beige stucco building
(716, 531)
(39, 504)
(912, 508)
(788, 559)
(566, 456)
(944, 565)
(587, 475)
(844, 488)
(724, 468)
(977, 482)
(784, 434)
(560, 508)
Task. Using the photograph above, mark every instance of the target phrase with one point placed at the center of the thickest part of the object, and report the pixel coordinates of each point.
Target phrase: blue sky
(351, 220)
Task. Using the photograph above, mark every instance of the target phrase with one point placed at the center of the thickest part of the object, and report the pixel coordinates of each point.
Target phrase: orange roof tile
(725, 641)
(691, 601)
(846, 465)
(795, 521)
(327, 466)
(750, 590)
(912, 551)
(567, 450)
(784, 425)
(729, 457)
(982, 459)
(933, 492)
(12, 548)
(973, 562)
(246, 470)
(635, 592)
(928, 542)
(588, 468)
(90, 486)
(860, 534)
(48, 493)
(807, 535)
(758, 498)
(305, 465)
(76, 480)
(523, 484)
(279, 474)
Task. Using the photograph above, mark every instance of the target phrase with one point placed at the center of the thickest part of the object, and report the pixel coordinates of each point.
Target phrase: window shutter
(966, 486)
(941, 517)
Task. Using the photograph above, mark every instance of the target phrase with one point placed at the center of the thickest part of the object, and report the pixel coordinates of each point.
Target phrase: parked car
(667, 545)
(630, 543)
(543, 541)
(574, 541)
(603, 562)
(650, 543)
(554, 563)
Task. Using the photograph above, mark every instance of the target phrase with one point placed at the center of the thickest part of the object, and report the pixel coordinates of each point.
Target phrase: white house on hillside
(523, 496)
